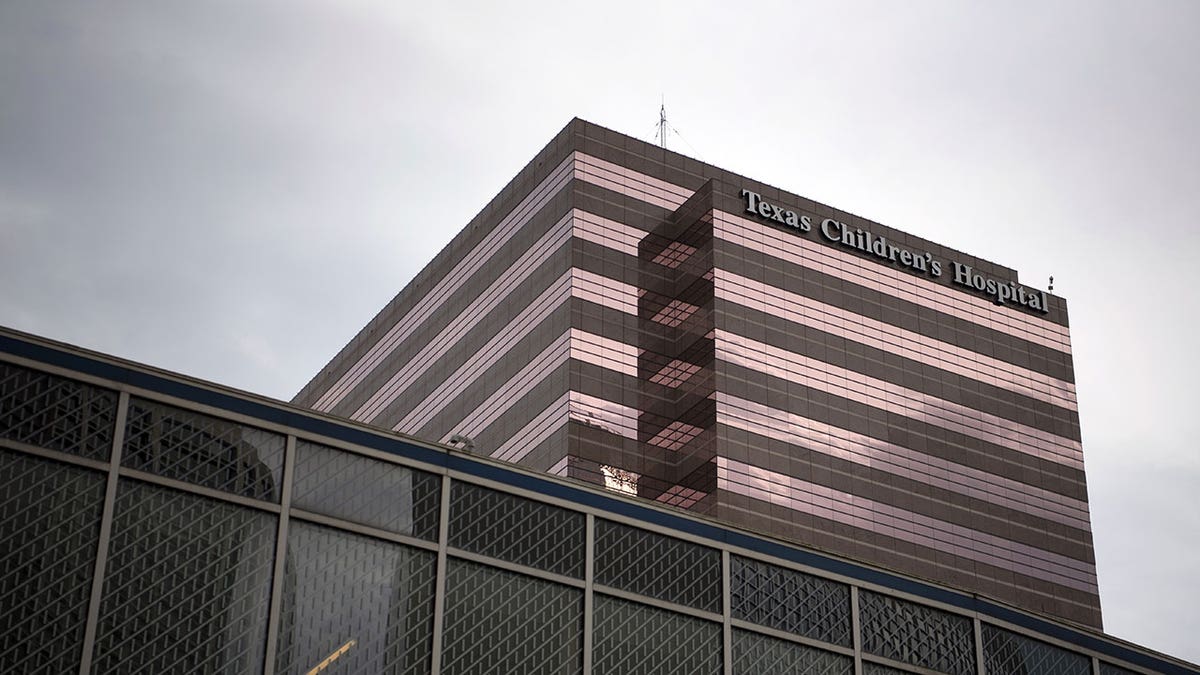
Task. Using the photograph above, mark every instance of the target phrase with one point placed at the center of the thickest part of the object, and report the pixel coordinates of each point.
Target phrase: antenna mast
(662, 125)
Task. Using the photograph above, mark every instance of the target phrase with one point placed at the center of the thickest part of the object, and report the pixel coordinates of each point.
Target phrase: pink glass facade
(617, 309)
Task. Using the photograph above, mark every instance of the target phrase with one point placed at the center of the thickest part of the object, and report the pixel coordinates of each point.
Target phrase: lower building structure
(156, 523)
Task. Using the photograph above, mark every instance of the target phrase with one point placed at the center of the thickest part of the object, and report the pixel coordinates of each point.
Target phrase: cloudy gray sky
(231, 189)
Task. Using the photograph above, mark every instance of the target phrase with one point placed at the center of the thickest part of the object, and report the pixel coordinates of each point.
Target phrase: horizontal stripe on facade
(848, 296)
(904, 556)
(763, 422)
(909, 288)
(503, 330)
(954, 493)
(790, 367)
(892, 521)
(490, 303)
(805, 407)
(515, 389)
(916, 375)
(808, 312)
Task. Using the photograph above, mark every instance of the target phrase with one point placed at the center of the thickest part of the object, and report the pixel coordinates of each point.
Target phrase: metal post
(589, 576)
(110, 502)
(979, 669)
(727, 612)
(856, 630)
(285, 501)
(439, 598)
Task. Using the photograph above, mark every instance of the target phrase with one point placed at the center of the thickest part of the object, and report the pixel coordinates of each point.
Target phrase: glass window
(50, 526)
(56, 413)
(502, 622)
(630, 637)
(756, 654)
(915, 634)
(792, 601)
(515, 529)
(187, 585)
(204, 450)
(658, 566)
(353, 604)
(365, 490)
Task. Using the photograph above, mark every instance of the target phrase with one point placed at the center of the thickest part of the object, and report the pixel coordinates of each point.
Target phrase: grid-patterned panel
(1007, 653)
(788, 600)
(630, 637)
(187, 585)
(915, 634)
(660, 567)
(364, 490)
(757, 654)
(515, 529)
(56, 413)
(501, 622)
(358, 604)
(204, 450)
(49, 525)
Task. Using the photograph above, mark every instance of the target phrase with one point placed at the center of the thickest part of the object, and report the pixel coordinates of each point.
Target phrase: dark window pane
(502, 622)
(516, 529)
(364, 490)
(1008, 653)
(634, 638)
(792, 601)
(915, 634)
(56, 413)
(658, 566)
(365, 604)
(755, 654)
(187, 586)
(49, 526)
(203, 450)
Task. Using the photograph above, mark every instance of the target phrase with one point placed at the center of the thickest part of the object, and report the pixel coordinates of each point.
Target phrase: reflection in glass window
(354, 604)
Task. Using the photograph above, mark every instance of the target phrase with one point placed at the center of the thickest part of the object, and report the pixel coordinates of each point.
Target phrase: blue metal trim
(518, 479)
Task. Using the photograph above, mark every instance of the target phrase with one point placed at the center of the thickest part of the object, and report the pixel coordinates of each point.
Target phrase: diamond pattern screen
(630, 637)
(792, 601)
(355, 604)
(365, 490)
(515, 529)
(658, 566)
(755, 654)
(203, 450)
(56, 413)
(50, 526)
(502, 622)
(1007, 653)
(915, 634)
(187, 586)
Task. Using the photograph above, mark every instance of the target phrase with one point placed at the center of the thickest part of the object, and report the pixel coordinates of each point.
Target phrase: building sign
(920, 262)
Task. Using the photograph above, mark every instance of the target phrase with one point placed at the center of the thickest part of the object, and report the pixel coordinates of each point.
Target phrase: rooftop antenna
(662, 125)
(1051, 283)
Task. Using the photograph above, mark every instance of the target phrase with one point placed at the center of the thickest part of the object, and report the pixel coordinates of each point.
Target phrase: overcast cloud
(231, 190)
